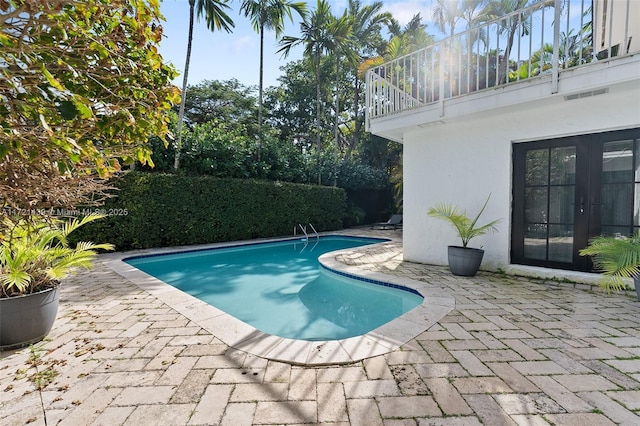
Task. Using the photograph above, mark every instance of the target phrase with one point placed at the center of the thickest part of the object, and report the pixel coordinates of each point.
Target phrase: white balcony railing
(543, 39)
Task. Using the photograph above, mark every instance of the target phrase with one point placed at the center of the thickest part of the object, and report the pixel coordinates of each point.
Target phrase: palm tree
(341, 31)
(269, 14)
(367, 22)
(216, 19)
(408, 39)
(470, 11)
(618, 258)
(404, 41)
(572, 50)
(495, 9)
(317, 39)
(446, 14)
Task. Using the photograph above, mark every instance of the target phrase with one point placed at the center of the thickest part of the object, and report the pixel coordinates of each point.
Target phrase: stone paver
(514, 351)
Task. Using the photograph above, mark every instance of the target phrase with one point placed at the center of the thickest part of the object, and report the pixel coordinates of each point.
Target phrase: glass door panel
(537, 167)
(549, 203)
(636, 207)
(560, 243)
(535, 242)
(562, 178)
(617, 192)
(563, 166)
(568, 190)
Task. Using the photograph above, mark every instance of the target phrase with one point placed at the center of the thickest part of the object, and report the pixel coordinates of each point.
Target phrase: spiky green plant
(466, 226)
(616, 257)
(35, 253)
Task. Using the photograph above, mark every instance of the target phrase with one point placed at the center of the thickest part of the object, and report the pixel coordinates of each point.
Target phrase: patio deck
(513, 351)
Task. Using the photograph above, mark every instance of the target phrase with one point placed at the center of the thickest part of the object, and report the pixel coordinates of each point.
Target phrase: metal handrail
(304, 231)
(316, 232)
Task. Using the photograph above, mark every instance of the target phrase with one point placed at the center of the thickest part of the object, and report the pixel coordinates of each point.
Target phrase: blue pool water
(281, 289)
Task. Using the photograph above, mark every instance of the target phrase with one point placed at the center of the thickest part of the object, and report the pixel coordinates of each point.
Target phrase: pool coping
(242, 336)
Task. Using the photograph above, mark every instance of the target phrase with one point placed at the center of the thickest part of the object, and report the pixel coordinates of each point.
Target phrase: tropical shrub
(616, 257)
(354, 215)
(35, 253)
(465, 226)
(229, 150)
(157, 210)
(355, 175)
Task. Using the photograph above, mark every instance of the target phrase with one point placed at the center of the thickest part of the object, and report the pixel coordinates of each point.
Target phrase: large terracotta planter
(464, 261)
(27, 319)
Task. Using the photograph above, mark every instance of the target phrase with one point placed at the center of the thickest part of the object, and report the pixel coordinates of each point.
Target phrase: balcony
(565, 48)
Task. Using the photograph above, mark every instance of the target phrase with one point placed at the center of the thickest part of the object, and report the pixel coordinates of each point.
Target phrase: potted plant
(34, 256)
(618, 258)
(464, 260)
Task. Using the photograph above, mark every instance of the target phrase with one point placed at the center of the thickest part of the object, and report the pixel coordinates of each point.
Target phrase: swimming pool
(280, 288)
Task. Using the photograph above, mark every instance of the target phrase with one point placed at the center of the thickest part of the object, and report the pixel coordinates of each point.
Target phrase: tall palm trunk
(178, 144)
(260, 91)
(356, 112)
(336, 131)
(504, 65)
(318, 102)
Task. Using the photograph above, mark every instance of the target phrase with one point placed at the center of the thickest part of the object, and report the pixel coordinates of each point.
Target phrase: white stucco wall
(461, 161)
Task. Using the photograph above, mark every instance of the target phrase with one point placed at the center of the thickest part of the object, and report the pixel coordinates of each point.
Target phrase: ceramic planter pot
(27, 319)
(464, 261)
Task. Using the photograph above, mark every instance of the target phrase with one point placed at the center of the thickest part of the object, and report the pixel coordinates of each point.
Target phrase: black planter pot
(464, 261)
(27, 319)
(636, 283)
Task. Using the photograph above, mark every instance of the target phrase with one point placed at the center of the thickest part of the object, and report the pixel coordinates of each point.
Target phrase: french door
(567, 190)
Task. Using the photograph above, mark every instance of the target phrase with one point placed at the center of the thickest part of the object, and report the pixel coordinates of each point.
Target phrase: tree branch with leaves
(83, 87)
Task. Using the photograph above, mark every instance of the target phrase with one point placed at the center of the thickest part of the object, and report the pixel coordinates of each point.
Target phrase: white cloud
(403, 11)
(243, 44)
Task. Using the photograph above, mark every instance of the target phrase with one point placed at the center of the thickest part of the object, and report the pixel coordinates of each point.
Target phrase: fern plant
(466, 226)
(35, 253)
(616, 257)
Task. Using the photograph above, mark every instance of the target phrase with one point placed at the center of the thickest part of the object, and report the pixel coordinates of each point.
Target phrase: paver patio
(514, 351)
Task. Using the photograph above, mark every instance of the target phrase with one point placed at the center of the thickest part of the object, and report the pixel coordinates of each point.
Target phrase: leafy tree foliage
(268, 14)
(220, 100)
(320, 33)
(291, 105)
(219, 149)
(313, 121)
(82, 89)
(216, 19)
(368, 22)
(226, 144)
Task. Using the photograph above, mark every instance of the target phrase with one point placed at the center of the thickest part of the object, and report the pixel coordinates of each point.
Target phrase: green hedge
(159, 210)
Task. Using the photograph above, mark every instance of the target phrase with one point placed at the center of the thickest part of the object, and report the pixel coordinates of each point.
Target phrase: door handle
(581, 204)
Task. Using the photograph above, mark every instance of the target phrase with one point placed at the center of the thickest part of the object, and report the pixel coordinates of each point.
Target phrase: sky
(220, 55)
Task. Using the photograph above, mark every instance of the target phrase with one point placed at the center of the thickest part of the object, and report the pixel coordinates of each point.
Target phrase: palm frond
(18, 280)
(464, 225)
(35, 253)
(617, 258)
(214, 14)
